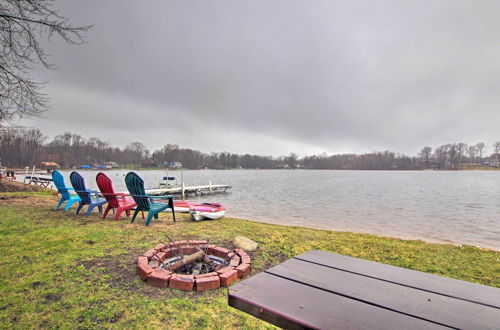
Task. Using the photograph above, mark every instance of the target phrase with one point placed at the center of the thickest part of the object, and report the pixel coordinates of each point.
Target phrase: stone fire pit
(163, 266)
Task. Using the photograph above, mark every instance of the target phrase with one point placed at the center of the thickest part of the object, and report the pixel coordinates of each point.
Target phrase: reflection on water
(458, 207)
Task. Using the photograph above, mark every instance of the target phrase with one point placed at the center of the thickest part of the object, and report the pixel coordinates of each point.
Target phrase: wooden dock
(190, 190)
(38, 180)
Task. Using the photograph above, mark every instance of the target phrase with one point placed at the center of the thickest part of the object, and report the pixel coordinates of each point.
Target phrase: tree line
(28, 147)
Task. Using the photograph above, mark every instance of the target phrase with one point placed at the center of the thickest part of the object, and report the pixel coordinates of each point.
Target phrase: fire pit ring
(223, 267)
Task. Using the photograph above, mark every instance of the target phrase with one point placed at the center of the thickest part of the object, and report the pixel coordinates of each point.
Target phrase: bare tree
(471, 151)
(496, 147)
(425, 155)
(496, 155)
(461, 148)
(441, 155)
(22, 25)
(33, 140)
(480, 147)
(292, 160)
(138, 151)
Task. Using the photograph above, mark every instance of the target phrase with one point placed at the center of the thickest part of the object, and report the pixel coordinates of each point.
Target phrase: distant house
(111, 165)
(495, 160)
(49, 166)
(175, 165)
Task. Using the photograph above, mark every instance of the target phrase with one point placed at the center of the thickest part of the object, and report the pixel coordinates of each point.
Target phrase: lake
(460, 207)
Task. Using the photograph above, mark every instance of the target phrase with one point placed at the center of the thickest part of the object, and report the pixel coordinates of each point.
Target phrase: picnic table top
(318, 289)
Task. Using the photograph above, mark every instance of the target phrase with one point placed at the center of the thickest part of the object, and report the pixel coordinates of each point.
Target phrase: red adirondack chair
(118, 201)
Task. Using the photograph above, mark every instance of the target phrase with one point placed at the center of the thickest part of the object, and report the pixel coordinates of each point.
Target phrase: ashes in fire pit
(192, 265)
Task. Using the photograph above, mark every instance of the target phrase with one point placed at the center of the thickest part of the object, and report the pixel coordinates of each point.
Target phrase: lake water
(460, 207)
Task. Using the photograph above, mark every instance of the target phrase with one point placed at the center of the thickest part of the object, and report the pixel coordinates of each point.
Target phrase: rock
(245, 243)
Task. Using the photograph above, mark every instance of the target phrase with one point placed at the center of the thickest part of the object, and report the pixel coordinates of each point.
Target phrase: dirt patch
(52, 297)
(35, 201)
(274, 258)
(5, 198)
(120, 273)
(13, 186)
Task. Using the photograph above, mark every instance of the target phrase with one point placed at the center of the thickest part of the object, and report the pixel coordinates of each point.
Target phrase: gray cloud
(273, 77)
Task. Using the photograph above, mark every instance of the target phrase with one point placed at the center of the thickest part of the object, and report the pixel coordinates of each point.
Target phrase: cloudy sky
(272, 77)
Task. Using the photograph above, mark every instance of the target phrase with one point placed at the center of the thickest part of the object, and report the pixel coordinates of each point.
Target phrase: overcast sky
(274, 77)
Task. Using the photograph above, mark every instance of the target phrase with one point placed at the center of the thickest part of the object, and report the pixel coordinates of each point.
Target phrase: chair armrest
(160, 197)
(94, 192)
(144, 196)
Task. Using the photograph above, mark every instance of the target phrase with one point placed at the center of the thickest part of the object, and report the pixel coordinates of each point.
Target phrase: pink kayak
(209, 211)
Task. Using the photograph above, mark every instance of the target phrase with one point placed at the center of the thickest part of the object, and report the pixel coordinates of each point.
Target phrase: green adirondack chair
(145, 202)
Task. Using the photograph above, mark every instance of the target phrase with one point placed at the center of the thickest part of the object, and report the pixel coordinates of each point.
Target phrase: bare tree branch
(22, 25)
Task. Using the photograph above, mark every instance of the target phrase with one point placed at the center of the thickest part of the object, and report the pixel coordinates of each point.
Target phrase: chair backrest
(58, 180)
(106, 187)
(78, 183)
(135, 186)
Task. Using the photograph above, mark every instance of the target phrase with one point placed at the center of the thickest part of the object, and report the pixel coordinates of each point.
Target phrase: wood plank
(406, 300)
(477, 293)
(292, 305)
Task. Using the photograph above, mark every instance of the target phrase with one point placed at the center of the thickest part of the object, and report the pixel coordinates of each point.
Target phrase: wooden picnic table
(325, 290)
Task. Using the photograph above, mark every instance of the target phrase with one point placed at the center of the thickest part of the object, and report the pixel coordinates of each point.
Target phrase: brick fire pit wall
(148, 267)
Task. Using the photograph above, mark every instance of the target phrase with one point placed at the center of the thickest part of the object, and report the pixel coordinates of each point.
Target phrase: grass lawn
(62, 270)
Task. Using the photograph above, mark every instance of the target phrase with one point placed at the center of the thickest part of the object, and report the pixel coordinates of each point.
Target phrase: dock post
(182, 184)
(210, 186)
(25, 173)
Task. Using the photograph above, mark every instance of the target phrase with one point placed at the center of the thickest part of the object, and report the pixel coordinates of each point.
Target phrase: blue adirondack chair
(145, 202)
(58, 180)
(87, 197)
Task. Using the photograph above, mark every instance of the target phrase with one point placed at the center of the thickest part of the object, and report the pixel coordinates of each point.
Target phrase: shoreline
(395, 237)
(472, 168)
(31, 189)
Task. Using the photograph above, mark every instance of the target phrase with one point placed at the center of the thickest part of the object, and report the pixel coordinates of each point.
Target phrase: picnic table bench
(324, 290)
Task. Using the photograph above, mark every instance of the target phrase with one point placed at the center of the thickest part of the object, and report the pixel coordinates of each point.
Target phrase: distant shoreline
(485, 168)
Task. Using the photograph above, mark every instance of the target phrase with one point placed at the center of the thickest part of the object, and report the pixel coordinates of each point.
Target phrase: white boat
(168, 182)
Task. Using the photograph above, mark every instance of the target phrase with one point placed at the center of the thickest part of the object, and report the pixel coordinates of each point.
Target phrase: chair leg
(68, 204)
(127, 212)
(171, 205)
(106, 211)
(150, 217)
(79, 208)
(89, 210)
(156, 215)
(118, 212)
(135, 214)
(60, 203)
(100, 208)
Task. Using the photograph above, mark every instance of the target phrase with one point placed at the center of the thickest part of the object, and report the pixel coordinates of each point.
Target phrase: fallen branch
(161, 261)
(198, 255)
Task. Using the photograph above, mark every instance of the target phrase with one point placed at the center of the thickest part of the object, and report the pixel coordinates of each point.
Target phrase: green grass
(62, 270)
